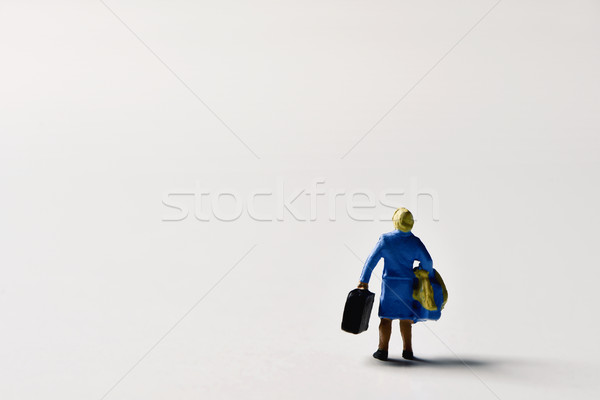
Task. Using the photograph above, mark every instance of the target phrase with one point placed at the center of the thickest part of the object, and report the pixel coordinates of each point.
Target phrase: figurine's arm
(424, 258)
(370, 264)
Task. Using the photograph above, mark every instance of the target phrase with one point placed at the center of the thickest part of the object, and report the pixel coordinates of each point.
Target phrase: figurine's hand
(362, 285)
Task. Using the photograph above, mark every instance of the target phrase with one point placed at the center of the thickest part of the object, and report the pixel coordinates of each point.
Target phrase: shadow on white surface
(449, 362)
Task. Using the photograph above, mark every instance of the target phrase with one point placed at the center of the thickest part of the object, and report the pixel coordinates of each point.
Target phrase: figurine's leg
(406, 332)
(385, 331)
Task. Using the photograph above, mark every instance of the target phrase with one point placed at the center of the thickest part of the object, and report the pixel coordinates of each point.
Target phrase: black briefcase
(357, 311)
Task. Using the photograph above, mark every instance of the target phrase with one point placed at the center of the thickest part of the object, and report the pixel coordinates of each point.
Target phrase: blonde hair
(403, 220)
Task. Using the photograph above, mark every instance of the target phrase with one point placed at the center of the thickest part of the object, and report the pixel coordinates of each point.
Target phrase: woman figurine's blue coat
(399, 250)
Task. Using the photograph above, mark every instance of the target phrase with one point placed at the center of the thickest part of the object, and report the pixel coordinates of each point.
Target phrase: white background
(95, 131)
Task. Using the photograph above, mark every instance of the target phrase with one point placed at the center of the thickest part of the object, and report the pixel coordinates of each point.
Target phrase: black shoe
(408, 355)
(381, 355)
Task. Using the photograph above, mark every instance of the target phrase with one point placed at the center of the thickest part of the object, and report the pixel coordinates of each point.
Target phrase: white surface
(95, 131)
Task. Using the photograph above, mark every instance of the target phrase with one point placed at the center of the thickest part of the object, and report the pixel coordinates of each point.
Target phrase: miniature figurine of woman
(399, 250)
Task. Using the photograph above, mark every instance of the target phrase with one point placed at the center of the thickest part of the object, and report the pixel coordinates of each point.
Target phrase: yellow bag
(423, 292)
